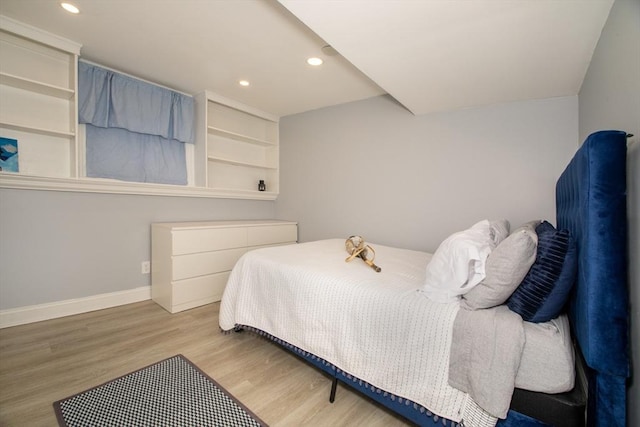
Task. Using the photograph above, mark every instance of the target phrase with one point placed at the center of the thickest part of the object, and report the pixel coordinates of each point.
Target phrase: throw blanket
(485, 356)
(374, 326)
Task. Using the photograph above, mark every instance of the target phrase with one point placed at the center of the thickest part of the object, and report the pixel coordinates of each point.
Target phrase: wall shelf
(38, 84)
(239, 163)
(37, 130)
(239, 137)
(94, 185)
(236, 147)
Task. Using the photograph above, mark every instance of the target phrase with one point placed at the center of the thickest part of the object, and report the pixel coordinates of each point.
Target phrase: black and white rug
(173, 392)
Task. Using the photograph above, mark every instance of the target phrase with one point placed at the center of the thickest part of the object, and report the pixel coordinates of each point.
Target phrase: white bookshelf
(236, 147)
(38, 85)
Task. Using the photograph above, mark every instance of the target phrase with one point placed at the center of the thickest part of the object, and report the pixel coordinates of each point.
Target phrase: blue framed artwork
(8, 155)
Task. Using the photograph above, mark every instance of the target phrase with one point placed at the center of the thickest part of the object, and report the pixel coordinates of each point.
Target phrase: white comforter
(375, 326)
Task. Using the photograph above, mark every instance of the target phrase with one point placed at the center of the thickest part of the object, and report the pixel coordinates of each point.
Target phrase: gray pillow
(506, 267)
(499, 230)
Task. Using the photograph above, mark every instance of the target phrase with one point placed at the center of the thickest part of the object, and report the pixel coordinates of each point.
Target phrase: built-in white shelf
(37, 130)
(239, 163)
(239, 137)
(36, 86)
(237, 146)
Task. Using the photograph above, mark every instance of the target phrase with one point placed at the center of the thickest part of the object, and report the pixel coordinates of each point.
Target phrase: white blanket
(375, 326)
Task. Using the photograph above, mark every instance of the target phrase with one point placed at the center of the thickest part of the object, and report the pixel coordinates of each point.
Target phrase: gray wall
(610, 99)
(372, 168)
(56, 246)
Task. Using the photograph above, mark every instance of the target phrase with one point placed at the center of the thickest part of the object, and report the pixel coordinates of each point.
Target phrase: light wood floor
(48, 361)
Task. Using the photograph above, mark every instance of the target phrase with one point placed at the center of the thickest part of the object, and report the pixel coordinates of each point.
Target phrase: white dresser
(191, 261)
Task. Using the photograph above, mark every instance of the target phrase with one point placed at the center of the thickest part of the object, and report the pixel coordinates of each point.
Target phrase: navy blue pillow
(545, 289)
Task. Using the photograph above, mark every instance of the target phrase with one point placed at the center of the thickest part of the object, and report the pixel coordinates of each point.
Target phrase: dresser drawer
(191, 261)
(212, 239)
(200, 290)
(203, 263)
(272, 235)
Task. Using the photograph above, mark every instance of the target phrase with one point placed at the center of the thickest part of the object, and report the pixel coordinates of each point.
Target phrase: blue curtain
(135, 130)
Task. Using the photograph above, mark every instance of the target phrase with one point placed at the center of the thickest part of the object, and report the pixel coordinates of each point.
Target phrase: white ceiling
(430, 55)
(435, 55)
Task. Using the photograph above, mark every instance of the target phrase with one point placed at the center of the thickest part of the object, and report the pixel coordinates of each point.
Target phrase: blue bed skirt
(412, 411)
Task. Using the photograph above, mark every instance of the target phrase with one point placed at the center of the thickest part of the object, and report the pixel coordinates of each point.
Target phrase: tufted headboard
(591, 204)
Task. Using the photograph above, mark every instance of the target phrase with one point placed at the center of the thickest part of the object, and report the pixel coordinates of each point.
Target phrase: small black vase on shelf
(261, 185)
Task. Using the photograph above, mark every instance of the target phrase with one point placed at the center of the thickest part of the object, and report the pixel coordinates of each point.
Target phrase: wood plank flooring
(48, 361)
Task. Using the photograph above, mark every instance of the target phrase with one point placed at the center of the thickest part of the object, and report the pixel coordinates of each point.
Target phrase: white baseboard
(53, 310)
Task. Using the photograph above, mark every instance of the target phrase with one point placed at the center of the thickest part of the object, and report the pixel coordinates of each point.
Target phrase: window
(135, 131)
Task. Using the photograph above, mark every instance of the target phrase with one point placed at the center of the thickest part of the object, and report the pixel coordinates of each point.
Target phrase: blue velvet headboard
(591, 204)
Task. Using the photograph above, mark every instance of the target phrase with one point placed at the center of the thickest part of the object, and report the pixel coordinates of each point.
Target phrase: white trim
(240, 106)
(90, 185)
(37, 313)
(41, 36)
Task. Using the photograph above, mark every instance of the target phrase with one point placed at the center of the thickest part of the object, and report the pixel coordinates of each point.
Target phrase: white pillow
(459, 263)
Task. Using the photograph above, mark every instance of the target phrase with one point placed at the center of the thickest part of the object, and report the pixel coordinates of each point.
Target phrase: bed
(387, 336)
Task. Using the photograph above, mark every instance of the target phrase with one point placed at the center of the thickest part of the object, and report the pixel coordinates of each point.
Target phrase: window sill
(89, 185)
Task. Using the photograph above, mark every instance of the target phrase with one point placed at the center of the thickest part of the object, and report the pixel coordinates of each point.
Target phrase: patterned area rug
(173, 392)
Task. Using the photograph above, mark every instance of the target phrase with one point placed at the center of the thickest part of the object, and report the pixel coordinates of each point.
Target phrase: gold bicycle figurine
(356, 248)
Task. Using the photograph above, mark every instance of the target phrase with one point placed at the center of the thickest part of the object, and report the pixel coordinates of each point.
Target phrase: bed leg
(334, 386)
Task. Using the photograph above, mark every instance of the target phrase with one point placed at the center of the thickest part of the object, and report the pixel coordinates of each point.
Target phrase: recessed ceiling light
(244, 83)
(70, 8)
(314, 61)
